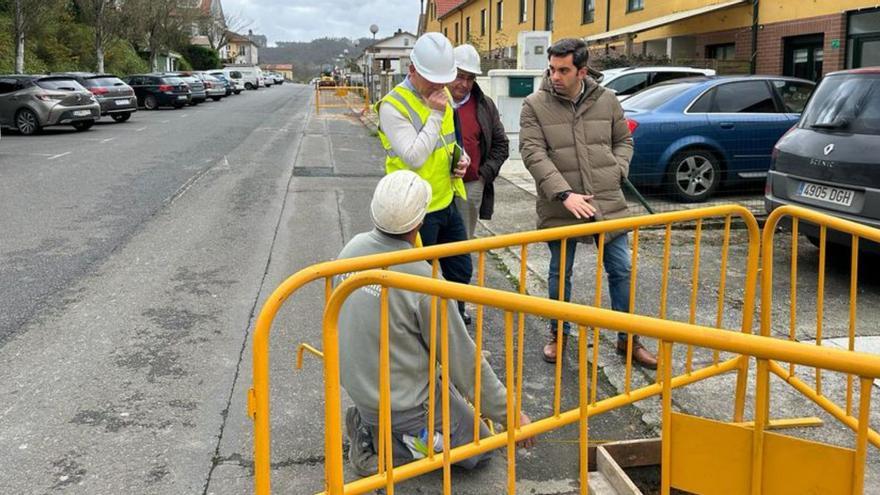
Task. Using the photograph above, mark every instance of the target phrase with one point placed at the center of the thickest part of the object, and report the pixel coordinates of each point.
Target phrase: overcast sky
(304, 20)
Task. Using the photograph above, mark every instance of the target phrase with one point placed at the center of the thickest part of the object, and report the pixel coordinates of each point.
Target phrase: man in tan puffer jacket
(575, 142)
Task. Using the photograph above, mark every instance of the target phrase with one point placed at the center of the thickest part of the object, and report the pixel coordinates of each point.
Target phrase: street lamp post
(373, 29)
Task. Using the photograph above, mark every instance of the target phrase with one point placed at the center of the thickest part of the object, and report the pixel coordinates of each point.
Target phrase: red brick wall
(771, 42)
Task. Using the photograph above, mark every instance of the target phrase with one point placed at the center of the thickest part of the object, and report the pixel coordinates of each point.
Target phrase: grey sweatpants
(461, 421)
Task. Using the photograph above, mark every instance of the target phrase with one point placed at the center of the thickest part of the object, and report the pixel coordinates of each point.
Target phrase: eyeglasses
(465, 77)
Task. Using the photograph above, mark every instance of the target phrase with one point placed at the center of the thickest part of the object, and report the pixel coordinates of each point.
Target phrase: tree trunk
(19, 29)
(99, 55)
(154, 59)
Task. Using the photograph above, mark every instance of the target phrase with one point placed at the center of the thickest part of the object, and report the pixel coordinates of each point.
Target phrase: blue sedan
(694, 134)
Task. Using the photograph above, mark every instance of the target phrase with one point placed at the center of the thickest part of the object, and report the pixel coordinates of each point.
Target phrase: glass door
(804, 56)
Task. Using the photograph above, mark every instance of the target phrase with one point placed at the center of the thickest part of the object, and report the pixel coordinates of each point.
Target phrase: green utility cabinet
(520, 86)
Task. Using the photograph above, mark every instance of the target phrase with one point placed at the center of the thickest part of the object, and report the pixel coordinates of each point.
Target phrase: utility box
(531, 49)
(520, 86)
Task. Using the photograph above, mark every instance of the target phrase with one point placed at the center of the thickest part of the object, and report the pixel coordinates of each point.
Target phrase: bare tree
(26, 16)
(163, 24)
(217, 29)
(107, 19)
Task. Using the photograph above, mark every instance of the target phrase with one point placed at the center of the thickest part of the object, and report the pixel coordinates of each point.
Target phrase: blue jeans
(444, 226)
(617, 260)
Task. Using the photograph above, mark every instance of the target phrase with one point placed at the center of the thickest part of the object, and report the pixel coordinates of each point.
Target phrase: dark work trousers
(444, 226)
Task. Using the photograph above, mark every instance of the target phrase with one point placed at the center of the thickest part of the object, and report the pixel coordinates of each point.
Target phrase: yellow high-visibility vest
(437, 169)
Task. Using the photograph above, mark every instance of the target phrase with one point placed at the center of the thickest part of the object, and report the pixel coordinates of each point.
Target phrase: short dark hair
(570, 46)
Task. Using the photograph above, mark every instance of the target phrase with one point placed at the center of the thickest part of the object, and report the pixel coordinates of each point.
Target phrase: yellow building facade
(805, 38)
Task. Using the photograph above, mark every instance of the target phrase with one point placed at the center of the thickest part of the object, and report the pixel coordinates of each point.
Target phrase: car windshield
(102, 82)
(172, 80)
(653, 97)
(845, 103)
(60, 84)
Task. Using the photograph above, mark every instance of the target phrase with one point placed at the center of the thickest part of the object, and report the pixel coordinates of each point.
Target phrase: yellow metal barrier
(844, 469)
(823, 223)
(258, 397)
(354, 98)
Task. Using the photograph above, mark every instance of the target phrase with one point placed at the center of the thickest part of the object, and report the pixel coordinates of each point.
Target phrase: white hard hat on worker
(399, 202)
(433, 58)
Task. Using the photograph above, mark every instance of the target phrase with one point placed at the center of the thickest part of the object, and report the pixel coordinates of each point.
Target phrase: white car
(626, 81)
(232, 75)
(277, 78)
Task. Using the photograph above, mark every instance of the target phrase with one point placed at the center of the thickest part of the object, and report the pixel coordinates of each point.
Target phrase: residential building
(791, 37)
(285, 70)
(259, 39)
(239, 50)
(207, 29)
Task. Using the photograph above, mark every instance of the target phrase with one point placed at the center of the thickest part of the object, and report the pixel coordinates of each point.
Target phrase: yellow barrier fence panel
(637, 225)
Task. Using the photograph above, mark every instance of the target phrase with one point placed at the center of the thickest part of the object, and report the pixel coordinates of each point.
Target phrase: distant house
(389, 55)
(259, 39)
(240, 50)
(285, 70)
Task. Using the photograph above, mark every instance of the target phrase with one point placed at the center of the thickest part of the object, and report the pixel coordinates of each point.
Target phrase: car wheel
(238, 91)
(216, 98)
(248, 86)
(121, 117)
(83, 125)
(150, 102)
(26, 122)
(693, 175)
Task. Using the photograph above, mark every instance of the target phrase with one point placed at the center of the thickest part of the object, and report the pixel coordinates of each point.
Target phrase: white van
(233, 76)
(251, 75)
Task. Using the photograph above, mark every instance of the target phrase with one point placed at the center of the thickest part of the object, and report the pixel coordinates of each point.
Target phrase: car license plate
(82, 113)
(122, 102)
(828, 194)
(181, 97)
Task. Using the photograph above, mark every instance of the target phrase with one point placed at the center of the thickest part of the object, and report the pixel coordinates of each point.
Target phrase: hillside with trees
(307, 57)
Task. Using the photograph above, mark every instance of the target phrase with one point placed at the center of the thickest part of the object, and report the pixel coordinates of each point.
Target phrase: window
(467, 28)
(483, 22)
(655, 96)
(588, 11)
(632, 5)
(846, 102)
(523, 11)
(499, 11)
(739, 97)
(456, 34)
(794, 94)
(726, 51)
(629, 84)
(663, 76)
(7, 86)
(446, 32)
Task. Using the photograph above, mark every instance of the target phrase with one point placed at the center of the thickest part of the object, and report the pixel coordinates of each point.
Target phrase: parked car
(115, 97)
(233, 76)
(626, 81)
(828, 161)
(692, 135)
(229, 84)
(155, 90)
(215, 89)
(276, 78)
(30, 102)
(267, 79)
(196, 87)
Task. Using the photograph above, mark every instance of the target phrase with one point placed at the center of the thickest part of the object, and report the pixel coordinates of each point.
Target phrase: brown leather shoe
(550, 348)
(640, 355)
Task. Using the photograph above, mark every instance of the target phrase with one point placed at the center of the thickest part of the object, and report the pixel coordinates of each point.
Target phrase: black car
(155, 90)
(829, 161)
(116, 98)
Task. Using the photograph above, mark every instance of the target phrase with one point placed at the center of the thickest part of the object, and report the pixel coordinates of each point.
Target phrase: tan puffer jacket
(585, 148)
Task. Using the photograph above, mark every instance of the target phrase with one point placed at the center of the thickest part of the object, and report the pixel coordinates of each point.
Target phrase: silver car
(214, 88)
(29, 102)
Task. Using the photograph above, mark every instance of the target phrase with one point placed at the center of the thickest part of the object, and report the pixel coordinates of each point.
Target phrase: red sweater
(470, 135)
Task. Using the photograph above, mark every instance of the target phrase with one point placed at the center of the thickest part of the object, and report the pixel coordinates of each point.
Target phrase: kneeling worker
(398, 210)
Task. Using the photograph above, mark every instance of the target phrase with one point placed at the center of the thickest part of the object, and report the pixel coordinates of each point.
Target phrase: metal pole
(631, 188)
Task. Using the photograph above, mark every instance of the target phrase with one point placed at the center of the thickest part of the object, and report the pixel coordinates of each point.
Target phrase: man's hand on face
(438, 100)
(579, 205)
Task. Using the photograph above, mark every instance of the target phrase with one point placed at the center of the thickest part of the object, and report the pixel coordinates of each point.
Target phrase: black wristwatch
(563, 195)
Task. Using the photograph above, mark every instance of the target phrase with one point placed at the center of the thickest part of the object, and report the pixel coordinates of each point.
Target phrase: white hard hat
(467, 59)
(399, 202)
(433, 58)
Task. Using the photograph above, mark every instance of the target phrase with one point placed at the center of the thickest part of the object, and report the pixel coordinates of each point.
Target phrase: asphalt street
(135, 256)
